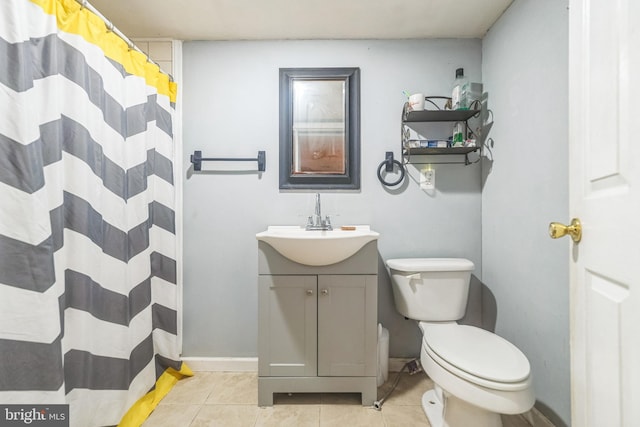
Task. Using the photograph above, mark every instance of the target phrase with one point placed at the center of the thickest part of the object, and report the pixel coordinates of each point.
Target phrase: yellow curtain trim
(72, 18)
(141, 410)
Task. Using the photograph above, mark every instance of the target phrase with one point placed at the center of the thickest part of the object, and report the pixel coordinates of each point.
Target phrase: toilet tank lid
(414, 265)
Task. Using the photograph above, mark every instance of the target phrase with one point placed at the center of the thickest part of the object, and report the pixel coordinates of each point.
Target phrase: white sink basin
(317, 247)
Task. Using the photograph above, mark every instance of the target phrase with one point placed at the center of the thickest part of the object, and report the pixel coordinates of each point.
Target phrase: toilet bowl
(477, 374)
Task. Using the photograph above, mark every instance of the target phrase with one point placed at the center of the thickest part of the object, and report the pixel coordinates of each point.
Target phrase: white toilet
(478, 375)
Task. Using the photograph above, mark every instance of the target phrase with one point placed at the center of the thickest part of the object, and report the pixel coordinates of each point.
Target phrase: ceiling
(301, 19)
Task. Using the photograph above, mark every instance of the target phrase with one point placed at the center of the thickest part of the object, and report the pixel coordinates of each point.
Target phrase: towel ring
(384, 165)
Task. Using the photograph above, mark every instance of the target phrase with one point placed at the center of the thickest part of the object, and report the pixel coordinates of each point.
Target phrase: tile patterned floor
(230, 399)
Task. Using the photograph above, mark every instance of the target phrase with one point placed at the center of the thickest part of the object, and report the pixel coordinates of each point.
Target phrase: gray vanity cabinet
(317, 325)
(347, 320)
(288, 316)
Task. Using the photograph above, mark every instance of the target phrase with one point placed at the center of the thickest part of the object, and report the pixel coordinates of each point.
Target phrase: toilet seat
(477, 356)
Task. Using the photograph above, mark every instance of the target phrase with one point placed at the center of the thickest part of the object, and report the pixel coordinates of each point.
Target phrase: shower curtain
(88, 294)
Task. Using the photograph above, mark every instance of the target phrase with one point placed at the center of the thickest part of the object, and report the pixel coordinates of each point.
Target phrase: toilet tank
(431, 289)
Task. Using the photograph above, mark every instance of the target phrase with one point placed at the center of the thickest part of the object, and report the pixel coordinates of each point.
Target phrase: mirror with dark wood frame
(319, 128)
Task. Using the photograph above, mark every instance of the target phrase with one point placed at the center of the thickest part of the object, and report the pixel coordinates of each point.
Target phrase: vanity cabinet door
(347, 316)
(287, 331)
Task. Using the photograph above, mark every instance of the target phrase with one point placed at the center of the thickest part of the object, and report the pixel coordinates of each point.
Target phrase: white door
(604, 104)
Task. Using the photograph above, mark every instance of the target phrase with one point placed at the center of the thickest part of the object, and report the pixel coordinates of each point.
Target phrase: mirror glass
(319, 139)
(319, 128)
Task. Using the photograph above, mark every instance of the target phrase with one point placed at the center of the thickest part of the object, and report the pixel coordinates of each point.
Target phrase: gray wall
(230, 108)
(525, 71)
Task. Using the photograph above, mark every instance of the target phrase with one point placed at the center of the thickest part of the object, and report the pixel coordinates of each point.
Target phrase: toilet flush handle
(414, 276)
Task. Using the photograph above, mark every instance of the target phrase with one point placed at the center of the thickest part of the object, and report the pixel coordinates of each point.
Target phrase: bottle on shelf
(458, 136)
(460, 93)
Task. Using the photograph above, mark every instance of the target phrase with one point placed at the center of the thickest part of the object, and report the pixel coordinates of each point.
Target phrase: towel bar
(197, 159)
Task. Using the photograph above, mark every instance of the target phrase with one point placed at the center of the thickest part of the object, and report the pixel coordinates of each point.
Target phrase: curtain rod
(111, 27)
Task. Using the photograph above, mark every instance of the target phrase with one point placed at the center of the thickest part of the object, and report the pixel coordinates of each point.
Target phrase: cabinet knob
(309, 292)
(325, 292)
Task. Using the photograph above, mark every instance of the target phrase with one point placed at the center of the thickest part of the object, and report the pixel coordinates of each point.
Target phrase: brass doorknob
(574, 230)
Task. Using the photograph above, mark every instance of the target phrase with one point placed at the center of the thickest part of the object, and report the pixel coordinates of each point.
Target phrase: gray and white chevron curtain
(88, 295)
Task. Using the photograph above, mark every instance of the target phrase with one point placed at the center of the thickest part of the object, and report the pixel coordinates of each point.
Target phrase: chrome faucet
(315, 221)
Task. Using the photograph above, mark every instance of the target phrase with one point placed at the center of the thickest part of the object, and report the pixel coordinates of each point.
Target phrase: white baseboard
(222, 364)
